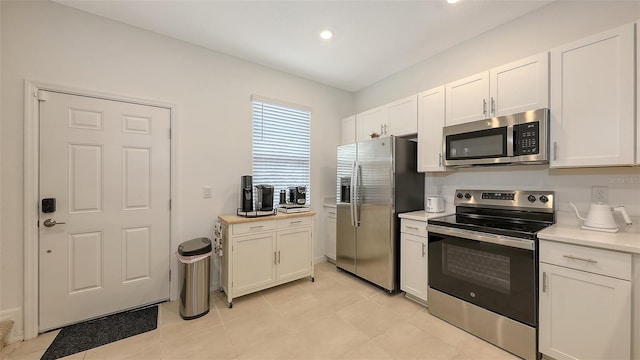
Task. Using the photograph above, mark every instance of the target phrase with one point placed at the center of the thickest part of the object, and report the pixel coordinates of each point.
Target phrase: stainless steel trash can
(194, 257)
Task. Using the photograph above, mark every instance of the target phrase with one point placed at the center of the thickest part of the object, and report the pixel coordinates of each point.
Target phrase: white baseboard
(320, 259)
(17, 332)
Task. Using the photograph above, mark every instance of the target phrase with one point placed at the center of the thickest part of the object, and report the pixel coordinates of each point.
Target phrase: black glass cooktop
(521, 228)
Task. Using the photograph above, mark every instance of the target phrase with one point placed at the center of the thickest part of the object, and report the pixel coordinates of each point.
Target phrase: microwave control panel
(528, 138)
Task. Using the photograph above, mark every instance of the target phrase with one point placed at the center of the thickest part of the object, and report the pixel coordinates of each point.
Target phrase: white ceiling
(373, 39)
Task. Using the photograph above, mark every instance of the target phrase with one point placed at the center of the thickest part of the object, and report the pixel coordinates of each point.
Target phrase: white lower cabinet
(330, 227)
(261, 254)
(585, 302)
(413, 259)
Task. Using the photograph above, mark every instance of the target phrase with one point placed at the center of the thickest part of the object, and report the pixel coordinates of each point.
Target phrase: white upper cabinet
(402, 117)
(371, 121)
(397, 118)
(348, 134)
(431, 116)
(519, 86)
(467, 99)
(592, 100)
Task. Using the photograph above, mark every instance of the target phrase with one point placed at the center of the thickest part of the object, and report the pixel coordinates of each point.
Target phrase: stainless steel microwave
(521, 138)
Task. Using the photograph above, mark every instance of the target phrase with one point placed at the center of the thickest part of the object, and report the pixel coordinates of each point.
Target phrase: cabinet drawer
(252, 227)
(294, 222)
(598, 261)
(330, 212)
(414, 227)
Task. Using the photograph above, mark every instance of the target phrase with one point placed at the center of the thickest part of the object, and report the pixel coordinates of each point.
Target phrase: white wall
(46, 42)
(550, 26)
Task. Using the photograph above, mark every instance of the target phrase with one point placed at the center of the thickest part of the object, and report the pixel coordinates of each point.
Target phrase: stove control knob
(467, 196)
(459, 195)
(544, 199)
(531, 198)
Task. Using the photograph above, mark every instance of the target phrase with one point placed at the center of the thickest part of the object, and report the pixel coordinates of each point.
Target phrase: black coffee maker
(264, 197)
(246, 188)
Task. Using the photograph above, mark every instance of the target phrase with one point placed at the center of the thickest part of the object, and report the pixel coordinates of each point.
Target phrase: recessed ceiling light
(453, 1)
(326, 34)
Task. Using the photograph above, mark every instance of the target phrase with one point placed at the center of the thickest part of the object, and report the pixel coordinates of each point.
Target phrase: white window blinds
(281, 147)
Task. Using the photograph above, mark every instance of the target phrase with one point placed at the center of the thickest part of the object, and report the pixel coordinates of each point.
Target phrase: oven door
(495, 272)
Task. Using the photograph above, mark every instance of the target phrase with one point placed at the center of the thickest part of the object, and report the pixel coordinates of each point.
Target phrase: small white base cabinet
(330, 227)
(413, 259)
(259, 253)
(585, 302)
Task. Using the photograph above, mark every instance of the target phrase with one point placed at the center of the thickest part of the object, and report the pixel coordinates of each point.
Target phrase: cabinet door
(467, 99)
(638, 94)
(294, 254)
(584, 315)
(371, 121)
(519, 86)
(348, 134)
(430, 122)
(254, 261)
(413, 265)
(592, 100)
(330, 233)
(402, 117)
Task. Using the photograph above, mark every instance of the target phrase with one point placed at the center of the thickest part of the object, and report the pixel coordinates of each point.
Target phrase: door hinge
(169, 204)
(169, 275)
(169, 133)
(42, 95)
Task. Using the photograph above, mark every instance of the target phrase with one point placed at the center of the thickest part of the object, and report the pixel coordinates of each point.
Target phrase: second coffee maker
(264, 197)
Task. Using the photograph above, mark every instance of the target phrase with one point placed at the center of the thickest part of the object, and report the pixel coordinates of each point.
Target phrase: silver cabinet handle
(440, 159)
(424, 250)
(331, 213)
(544, 282)
(278, 256)
(51, 223)
(385, 129)
(257, 227)
(295, 222)
(571, 257)
(275, 257)
(555, 151)
(412, 228)
(493, 106)
(484, 106)
(381, 131)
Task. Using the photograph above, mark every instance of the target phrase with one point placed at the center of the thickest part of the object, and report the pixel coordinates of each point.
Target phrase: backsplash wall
(569, 184)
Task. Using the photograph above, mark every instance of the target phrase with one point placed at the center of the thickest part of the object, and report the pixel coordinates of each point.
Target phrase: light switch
(206, 192)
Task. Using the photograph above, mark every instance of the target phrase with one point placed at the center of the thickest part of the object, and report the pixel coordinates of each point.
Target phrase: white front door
(107, 165)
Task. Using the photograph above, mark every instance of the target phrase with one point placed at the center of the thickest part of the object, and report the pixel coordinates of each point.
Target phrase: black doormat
(90, 334)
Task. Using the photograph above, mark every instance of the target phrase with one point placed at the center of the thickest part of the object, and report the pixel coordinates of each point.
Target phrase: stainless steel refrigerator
(376, 180)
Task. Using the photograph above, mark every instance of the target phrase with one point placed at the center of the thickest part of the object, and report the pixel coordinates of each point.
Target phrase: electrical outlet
(600, 194)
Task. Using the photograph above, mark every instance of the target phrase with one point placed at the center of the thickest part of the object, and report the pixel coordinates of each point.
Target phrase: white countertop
(569, 233)
(421, 215)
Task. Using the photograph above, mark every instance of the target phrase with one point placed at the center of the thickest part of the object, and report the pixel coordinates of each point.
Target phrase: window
(281, 146)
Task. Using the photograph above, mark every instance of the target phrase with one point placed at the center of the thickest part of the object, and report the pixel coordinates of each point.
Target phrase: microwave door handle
(510, 143)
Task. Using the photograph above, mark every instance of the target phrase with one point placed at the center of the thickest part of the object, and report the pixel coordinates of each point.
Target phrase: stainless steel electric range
(483, 265)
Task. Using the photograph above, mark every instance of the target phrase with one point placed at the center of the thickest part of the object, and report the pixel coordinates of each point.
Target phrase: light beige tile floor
(336, 317)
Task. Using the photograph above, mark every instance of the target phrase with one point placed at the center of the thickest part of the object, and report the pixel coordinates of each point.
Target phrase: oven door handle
(484, 237)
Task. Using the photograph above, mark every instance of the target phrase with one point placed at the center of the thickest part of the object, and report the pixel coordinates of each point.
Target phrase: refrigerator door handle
(356, 211)
(354, 194)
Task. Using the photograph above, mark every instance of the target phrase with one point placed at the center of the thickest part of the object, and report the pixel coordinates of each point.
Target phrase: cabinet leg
(230, 304)
(313, 279)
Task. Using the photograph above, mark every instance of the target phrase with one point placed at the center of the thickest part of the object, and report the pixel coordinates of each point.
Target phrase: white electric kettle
(600, 217)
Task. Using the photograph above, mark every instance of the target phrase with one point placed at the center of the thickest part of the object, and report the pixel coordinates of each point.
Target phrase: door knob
(51, 223)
